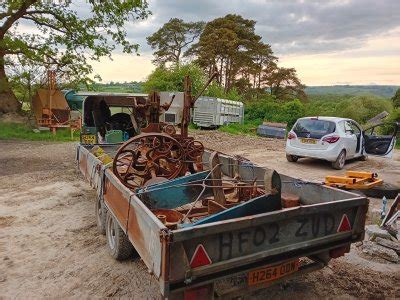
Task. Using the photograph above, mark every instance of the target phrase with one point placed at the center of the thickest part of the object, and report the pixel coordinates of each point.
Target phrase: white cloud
(326, 41)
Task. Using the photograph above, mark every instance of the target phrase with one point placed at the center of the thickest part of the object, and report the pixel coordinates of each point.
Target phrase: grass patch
(248, 127)
(24, 132)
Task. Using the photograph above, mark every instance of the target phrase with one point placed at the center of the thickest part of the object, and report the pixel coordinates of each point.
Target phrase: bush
(270, 110)
(171, 79)
(396, 99)
(362, 108)
(248, 127)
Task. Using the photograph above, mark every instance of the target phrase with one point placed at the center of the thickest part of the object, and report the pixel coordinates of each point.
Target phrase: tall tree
(284, 84)
(262, 61)
(226, 43)
(171, 41)
(396, 99)
(63, 38)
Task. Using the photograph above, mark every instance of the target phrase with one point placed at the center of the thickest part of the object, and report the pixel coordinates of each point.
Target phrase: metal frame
(354, 180)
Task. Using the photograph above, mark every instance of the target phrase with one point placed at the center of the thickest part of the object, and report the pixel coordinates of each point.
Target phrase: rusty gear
(147, 156)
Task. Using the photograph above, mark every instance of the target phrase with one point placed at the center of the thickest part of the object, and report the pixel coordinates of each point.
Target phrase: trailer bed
(188, 259)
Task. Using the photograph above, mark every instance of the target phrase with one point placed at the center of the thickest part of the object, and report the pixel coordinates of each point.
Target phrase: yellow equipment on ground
(354, 180)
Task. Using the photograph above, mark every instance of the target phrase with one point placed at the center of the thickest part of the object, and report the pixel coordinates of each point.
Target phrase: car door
(357, 132)
(380, 139)
(351, 138)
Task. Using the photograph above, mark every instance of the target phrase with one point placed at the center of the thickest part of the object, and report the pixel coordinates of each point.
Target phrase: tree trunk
(8, 101)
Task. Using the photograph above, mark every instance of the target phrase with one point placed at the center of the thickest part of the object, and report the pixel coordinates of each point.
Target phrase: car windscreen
(313, 128)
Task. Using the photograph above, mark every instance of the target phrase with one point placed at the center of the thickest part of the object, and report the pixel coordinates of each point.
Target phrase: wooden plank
(214, 207)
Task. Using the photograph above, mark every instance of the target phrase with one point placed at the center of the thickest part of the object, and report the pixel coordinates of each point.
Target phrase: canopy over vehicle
(110, 117)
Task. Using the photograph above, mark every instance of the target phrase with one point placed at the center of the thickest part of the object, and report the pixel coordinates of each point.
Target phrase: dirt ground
(50, 247)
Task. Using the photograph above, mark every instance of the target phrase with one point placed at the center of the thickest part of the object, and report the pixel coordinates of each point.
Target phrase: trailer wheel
(118, 243)
(101, 214)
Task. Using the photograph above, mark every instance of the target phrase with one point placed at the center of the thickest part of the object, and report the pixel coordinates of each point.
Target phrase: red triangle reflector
(344, 224)
(200, 257)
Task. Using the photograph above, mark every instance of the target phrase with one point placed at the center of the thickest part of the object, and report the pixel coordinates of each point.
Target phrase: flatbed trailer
(264, 248)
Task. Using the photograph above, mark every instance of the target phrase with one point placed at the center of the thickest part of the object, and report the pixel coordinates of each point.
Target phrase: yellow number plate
(272, 273)
(88, 139)
(308, 141)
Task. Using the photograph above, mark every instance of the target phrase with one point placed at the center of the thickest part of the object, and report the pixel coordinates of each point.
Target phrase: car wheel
(100, 212)
(338, 164)
(292, 158)
(118, 243)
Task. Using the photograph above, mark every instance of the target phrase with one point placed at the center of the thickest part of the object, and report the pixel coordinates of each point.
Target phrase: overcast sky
(328, 42)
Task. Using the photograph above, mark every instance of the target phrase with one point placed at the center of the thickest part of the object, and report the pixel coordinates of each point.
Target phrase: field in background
(386, 91)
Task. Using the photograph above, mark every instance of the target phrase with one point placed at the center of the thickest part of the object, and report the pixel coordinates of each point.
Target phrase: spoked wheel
(148, 156)
(194, 155)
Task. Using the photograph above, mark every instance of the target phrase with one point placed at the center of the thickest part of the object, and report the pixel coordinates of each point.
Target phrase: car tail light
(291, 136)
(331, 139)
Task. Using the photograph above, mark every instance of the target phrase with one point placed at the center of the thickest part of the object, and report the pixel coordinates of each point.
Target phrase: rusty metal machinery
(159, 152)
(148, 156)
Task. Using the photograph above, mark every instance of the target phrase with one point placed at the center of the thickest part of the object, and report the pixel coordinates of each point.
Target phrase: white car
(336, 140)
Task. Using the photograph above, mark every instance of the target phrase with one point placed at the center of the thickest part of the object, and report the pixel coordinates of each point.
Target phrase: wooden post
(216, 180)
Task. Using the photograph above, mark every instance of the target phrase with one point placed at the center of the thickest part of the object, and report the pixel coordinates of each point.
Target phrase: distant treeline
(335, 91)
(121, 87)
(386, 91)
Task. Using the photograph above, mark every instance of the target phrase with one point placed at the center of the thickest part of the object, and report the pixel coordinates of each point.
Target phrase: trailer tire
(118, 243)
(101, 214)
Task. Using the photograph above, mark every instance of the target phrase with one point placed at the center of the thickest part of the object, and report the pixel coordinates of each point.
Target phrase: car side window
(342, 126)
(355, 128)
(351, 127)
(347, 127)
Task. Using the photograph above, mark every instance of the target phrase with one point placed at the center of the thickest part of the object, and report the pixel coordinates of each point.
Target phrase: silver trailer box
(214, 112)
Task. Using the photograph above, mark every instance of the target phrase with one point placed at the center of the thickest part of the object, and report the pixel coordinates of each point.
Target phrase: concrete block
(374, 249)
(375, 231)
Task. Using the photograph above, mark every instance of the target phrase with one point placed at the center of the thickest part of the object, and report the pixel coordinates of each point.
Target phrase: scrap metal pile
(166, 169)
